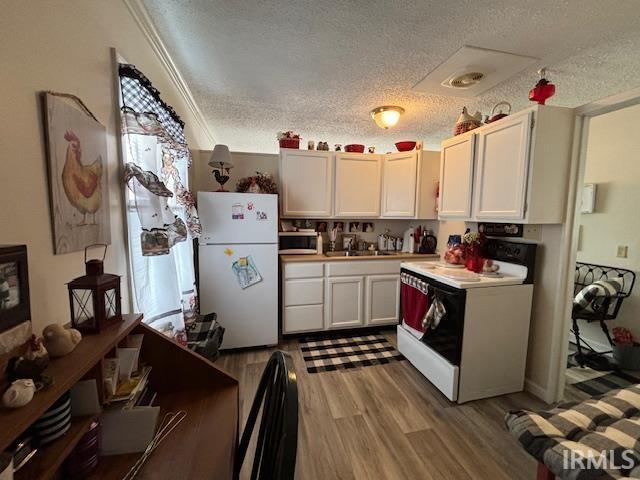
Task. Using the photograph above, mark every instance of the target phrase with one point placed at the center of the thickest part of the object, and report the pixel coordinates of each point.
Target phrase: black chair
(602, 311)
(277, 442)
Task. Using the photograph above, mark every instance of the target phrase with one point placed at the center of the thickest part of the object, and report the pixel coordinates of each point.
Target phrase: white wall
(65, 47)
(547, 283)
(612, 162)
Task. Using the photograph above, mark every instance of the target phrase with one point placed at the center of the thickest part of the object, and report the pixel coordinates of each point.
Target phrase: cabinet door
(357, 185)
(399, 176)
(456, 177)
(344, 302)
(382, 299)
(306, 183)
(502, 168)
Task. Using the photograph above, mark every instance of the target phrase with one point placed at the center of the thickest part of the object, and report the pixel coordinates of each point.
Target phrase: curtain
(161, 213)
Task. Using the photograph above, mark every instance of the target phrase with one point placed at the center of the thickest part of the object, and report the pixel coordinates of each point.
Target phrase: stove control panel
(513, 252)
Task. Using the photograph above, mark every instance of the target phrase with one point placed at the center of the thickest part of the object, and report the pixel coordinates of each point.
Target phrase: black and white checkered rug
(323, 354)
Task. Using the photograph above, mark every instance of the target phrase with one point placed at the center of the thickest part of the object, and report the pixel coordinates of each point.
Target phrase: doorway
(603, 320)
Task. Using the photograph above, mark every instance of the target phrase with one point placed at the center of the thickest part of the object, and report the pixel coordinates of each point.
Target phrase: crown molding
(141, 16)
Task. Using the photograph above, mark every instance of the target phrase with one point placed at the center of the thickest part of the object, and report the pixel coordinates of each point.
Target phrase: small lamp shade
(220, 157)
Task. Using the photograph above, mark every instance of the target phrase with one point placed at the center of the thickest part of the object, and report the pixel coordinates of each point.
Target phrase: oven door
(446, 338)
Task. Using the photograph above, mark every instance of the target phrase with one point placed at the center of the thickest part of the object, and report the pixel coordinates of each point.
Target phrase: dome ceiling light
(386, 116)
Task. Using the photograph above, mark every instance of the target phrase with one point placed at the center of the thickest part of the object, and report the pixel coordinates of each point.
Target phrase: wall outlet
(532, 232)
(623, 251)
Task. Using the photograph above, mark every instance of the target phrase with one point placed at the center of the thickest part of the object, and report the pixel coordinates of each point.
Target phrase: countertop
(323, 258)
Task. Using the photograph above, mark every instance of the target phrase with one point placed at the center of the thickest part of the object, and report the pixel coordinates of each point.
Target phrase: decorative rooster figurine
(32, 363)
(82, 183)
(221, 178)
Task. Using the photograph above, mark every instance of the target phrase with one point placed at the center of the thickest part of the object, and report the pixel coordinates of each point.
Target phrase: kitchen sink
(359, 253)
(341, 253)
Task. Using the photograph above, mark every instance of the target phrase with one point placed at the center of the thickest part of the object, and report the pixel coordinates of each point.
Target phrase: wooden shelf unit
(46, 462)
(202, 446)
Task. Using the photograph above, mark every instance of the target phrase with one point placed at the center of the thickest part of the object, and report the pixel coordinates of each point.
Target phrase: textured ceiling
(318, 67)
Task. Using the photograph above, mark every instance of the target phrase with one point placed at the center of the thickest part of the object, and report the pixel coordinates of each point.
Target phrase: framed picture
(368, 227)
(77, 167)
(339, 226)
(321, 227)
(14, 287)
(354, 227)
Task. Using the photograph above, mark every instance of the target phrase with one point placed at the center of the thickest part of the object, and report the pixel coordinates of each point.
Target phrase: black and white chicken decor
(221, 162)
(221, 178)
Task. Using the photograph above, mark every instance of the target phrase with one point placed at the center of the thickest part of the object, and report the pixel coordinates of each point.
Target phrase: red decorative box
(289, 143)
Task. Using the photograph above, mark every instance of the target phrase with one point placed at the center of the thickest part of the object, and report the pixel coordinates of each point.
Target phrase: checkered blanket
(598, 438)
(204, 335)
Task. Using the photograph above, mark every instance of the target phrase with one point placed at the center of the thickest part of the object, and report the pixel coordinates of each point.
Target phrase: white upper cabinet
(502, 167)
(306, 178)
(357, 185)
(428, 182)
(456, 177)
(320, 184)
(399, 178)
(521, 166)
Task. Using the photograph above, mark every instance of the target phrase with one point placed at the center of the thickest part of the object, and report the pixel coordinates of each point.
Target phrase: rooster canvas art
(82, 183)
(77, 176)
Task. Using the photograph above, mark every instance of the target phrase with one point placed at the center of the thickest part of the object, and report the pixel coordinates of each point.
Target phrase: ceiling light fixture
(386, 116)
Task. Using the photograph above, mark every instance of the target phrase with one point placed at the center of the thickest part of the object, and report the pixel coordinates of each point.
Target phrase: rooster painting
(78, 188)
(82, 183)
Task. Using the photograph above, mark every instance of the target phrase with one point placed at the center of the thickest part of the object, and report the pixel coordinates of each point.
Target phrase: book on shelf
(147, 398)
(128, 391)
(110, 375)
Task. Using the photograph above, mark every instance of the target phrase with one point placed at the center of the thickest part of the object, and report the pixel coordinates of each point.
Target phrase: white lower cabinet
(305, 291)
(344, 302)
(303, 318)
(325, 296)
(382, 299)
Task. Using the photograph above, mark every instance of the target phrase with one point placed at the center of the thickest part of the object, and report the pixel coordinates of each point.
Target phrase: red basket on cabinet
(289, 143)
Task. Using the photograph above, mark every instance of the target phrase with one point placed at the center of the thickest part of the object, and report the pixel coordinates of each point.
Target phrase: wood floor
(389, 422)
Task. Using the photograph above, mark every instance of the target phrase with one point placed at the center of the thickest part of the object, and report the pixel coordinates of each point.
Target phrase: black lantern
(95, 297)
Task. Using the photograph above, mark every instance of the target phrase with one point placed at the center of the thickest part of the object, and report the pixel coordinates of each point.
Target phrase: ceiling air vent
(472, 71)
(466, 80)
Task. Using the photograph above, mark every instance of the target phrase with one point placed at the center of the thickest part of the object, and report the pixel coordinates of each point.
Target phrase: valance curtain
(161, 213)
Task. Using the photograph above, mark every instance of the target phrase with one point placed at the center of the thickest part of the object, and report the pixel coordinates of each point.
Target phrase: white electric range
(479, 348)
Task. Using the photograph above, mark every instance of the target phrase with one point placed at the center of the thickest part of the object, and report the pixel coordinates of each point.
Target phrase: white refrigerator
(238, 265)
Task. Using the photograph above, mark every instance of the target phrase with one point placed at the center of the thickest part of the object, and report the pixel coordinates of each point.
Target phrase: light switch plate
(623, 251)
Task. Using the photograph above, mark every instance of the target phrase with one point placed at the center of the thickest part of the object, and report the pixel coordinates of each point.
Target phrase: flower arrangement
(473, 239)
(626, 352)
(288, 139)
(622, 336)
(289, 134)
(473, 242)
(261, 182)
